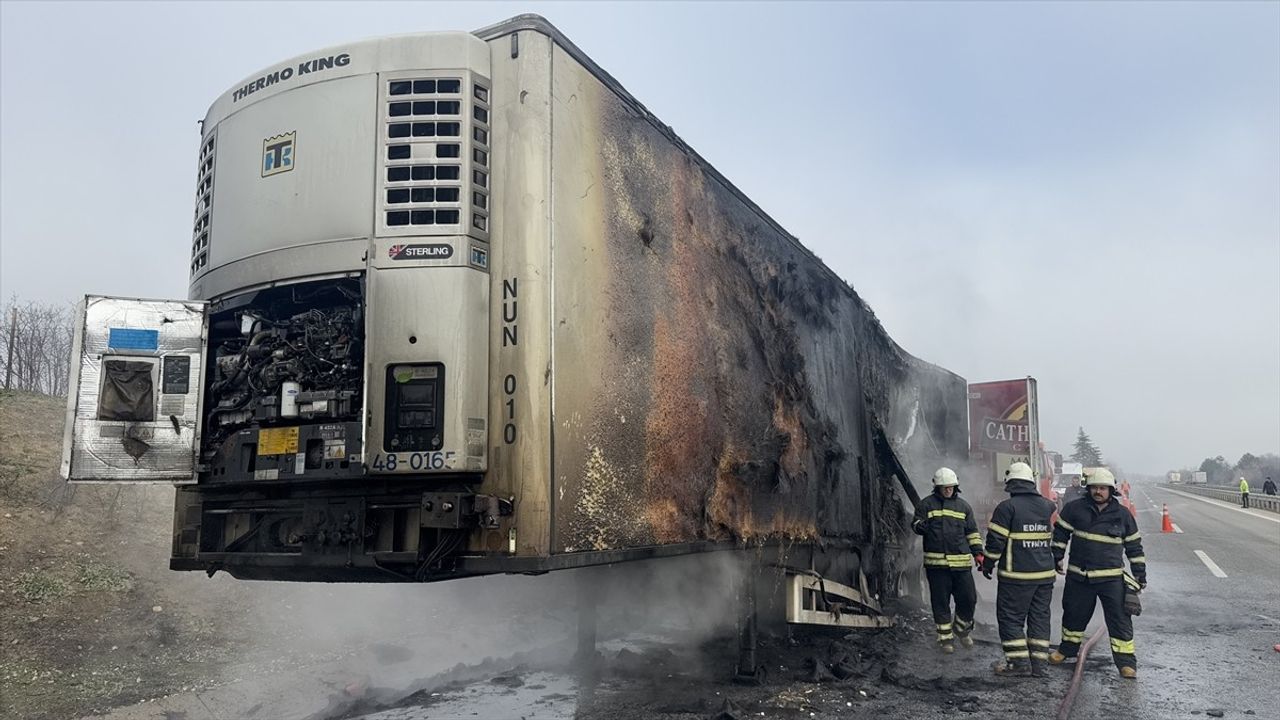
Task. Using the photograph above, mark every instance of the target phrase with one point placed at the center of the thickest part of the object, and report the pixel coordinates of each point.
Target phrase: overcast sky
(1085, 193)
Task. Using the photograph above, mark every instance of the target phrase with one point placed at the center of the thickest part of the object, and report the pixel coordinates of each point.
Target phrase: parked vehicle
(459, 304)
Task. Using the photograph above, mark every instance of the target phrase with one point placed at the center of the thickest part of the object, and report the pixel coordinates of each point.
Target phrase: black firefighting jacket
(1100, 540)
(1019, 535)
(950, 531)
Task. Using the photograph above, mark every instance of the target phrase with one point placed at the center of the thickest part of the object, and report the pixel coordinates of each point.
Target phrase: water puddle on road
(521, 693)
(532, 696)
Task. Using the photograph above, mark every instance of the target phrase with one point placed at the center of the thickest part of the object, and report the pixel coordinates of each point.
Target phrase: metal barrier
(1257, 500)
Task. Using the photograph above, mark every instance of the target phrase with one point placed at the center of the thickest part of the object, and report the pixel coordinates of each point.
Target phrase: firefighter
(1075, 492)
(1101, 534)
(1244, 493)
(1018, 538)
(951, 547)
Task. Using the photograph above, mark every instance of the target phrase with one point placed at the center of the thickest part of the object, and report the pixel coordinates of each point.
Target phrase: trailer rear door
(136, 391)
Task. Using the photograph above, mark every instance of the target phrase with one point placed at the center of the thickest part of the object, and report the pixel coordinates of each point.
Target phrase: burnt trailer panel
(550, 335)
(709, 378)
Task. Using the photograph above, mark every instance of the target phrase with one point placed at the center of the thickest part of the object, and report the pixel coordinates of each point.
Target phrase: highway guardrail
(1256, 499)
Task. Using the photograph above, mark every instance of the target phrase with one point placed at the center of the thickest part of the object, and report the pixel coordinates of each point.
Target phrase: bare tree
(35, 346)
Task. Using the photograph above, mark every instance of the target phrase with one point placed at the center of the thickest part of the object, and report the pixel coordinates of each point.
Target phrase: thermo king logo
(277, 154)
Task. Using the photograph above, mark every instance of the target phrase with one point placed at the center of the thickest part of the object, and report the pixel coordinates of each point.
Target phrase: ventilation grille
(204, 203)
(480, 158)
(435, 156)
(424, 122)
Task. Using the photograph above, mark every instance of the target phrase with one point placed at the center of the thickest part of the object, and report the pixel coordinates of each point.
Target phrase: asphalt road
(1211, 616)
(1210, 620)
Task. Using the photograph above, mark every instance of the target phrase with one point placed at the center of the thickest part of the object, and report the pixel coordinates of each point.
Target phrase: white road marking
(1176, 528)
(1270, 619)
(1213, 566)
(1273, 517)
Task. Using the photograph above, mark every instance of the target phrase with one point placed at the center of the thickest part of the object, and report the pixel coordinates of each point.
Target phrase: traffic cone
(1166, 524)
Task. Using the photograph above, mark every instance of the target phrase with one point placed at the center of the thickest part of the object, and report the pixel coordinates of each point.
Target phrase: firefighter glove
(1132, 603)
(1057, 565)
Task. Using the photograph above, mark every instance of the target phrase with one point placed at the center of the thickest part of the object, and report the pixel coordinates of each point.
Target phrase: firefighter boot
(947, 648)
(1011, 668)
(1128, 673)
(1057, 658)
(966, 641)
(1038, 668)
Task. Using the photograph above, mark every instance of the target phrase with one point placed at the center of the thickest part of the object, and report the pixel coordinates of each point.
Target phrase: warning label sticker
(278, 441)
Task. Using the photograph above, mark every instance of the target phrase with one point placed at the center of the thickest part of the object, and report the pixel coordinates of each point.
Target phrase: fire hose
(1064, 709)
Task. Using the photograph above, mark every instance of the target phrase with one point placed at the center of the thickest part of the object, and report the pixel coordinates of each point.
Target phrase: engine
(283, 357)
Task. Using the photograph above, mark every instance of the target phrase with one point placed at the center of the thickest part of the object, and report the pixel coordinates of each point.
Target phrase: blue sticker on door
(133, 339)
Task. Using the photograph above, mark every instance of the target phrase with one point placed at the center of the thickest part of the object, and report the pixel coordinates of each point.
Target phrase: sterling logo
(420, 252)
(277, 154)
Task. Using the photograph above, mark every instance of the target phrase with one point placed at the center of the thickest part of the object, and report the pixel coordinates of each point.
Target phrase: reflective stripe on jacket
(1019, 536)
(950, 532)
(1100, 540)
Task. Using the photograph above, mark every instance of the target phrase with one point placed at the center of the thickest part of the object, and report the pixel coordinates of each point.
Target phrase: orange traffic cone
(1166, 524)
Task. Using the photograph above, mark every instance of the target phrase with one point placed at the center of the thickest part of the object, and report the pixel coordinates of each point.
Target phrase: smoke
(270, 642)
(292, 648)
(927, 437)
(691, 597)
(376, 644)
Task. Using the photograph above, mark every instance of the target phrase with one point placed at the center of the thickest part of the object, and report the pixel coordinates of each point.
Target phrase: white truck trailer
(459, 304)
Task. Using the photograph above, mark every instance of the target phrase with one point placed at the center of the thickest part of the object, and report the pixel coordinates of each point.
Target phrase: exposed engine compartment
(286, 356)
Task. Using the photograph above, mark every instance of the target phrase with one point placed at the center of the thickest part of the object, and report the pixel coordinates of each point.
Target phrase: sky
(1086, 193)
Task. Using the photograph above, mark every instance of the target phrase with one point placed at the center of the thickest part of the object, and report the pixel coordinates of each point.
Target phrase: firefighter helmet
(1018, 471)
(945, 477)
(1101, 476)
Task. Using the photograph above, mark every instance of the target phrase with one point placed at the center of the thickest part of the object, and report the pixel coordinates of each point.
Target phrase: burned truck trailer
(459, 304)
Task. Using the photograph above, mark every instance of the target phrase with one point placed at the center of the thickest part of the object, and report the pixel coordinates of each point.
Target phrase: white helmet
(1101, 476)
(1019, 471)
(945, 477)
